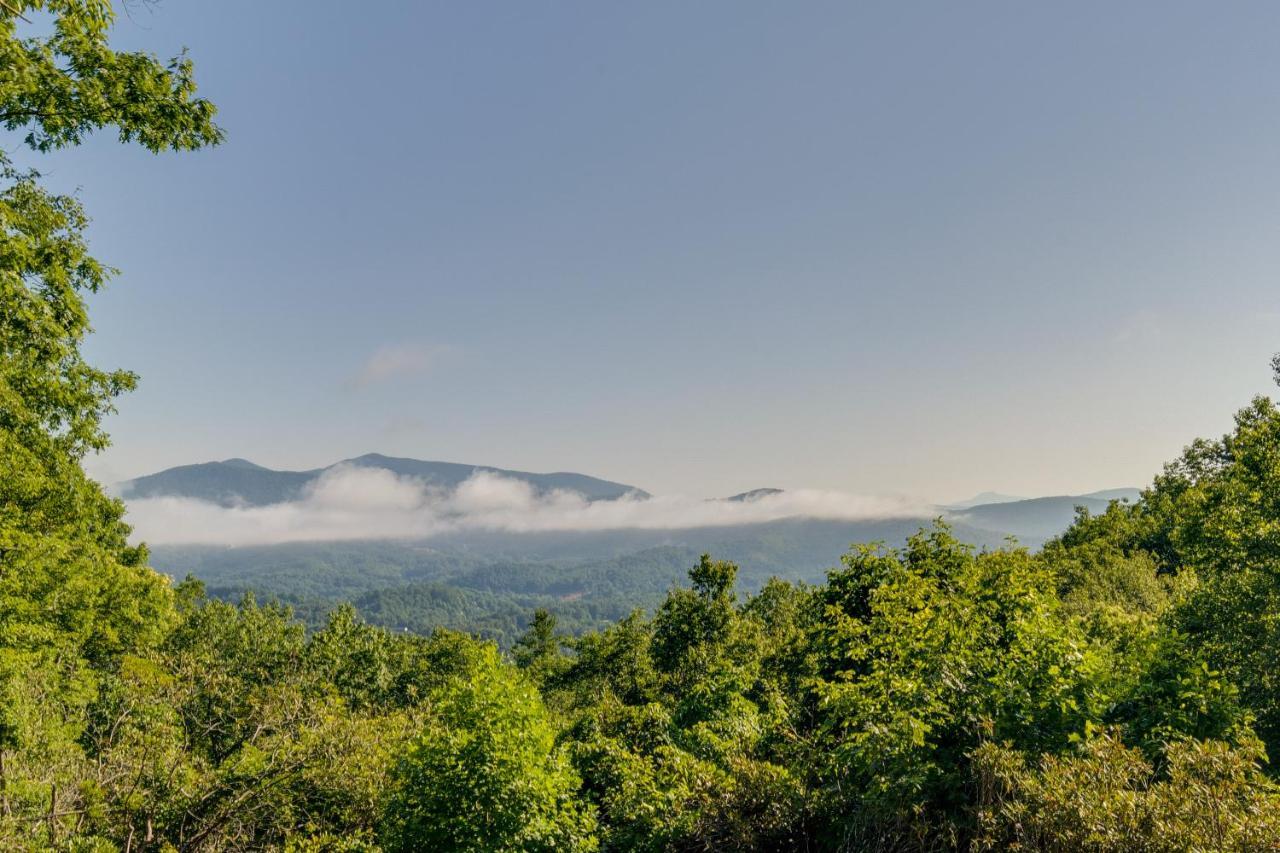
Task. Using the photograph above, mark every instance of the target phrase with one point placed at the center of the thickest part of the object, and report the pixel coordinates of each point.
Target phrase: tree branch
(17, 13)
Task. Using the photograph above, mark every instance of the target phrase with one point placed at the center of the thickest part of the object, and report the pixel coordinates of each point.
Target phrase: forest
(1114, 690)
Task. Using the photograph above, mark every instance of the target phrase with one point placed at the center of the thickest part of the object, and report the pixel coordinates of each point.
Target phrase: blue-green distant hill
(1036, 519)
(239, 482)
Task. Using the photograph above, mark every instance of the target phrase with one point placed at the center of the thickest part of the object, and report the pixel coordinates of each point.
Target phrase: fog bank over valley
(348, 501)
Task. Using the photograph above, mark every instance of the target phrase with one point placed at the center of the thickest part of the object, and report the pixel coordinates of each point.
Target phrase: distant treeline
(490, 584)
(408, 588)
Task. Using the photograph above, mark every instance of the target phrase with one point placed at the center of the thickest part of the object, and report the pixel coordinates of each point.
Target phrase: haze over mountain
(379, 497)
(986, 498)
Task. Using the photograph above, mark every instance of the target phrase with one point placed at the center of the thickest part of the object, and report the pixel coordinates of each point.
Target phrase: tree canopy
(1113, 691)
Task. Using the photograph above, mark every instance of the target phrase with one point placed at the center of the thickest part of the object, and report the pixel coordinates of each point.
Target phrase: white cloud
(351, 502)
(394, 360)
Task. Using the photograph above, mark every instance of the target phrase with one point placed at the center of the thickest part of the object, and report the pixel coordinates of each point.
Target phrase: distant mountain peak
(1126, 494)
(984, 498)
(237, 462)
(753, 495)
(372, 458)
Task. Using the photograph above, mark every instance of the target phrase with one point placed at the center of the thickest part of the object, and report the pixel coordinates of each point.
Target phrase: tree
(693, 624)
(485, 773)
(1214, 514)
(59, 88)
(687, 762)
(537, 651)
(926, 651)
(65, 85)
(75, 598)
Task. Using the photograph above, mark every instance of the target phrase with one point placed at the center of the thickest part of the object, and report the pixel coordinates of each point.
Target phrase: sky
(881, 248)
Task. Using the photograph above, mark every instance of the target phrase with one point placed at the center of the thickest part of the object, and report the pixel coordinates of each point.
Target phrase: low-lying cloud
(349, 502)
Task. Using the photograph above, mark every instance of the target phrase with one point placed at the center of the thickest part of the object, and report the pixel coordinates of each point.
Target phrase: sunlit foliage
(1116, 691)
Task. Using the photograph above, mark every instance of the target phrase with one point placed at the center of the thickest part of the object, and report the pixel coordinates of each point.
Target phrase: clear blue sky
(700, 247)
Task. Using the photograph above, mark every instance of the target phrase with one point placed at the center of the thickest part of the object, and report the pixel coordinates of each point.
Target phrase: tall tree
(73, 595)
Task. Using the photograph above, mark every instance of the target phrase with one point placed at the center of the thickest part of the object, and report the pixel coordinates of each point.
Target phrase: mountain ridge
(240, 482)
(985, 499)
(1037, 518)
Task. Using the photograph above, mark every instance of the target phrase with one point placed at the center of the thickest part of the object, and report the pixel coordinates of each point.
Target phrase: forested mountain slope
(493, 581)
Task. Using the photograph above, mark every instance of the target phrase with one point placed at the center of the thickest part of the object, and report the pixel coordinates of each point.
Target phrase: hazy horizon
(984, 496)
(229, 503)
(875, 250)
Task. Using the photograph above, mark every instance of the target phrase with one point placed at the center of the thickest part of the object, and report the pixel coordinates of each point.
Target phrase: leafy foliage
(1107, 797)
(926, 651)
(1115, 691)
(76, 601)
(484, 774)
